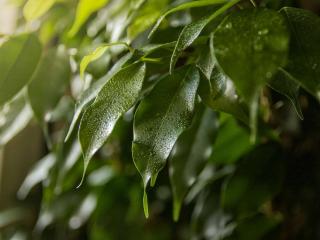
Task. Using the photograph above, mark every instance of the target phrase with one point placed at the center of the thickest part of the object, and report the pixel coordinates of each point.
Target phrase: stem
(223, 9)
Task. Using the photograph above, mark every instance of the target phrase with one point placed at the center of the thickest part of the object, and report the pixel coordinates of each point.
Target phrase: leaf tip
(145, 204)
(176, 210)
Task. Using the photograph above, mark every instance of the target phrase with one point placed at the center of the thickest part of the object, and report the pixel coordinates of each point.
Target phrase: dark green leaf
(191, 32)
(304, 59)
(160, 119)
(284, 84)
(117, 96)
(190, 155)
(261, 173)
(19, 57)
(88, 95)
(220, 95)
(250, 45)
(49, 83)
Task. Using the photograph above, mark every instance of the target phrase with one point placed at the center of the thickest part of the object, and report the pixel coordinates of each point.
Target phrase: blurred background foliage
(269, 190)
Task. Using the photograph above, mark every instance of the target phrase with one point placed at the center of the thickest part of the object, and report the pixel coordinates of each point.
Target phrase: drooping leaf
(19, 57)
(190, 154)
(96, 54)
(232, 142)
(84, 10)
(304, 59)
(160, 119)
(146, 16)
(36, 8)
(284, 84)
(38, 174)
(250, 45)
(49, 83)
(91, 93)
(117, 96)
(184, 6)
(191, 32)
(14, 116)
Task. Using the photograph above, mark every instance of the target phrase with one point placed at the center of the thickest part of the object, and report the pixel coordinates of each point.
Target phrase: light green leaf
(36, 8)
(84, 10)
(284, 84)
(38, 173)
(160, 119)
(185, 6)
(146, 16)
(250, 45)
(91, 93)
(190, 155)
(117, 96)
(49, 83)
(96, 54)
(304, 59)
(191, 32)
(14, 116)
(19, 57)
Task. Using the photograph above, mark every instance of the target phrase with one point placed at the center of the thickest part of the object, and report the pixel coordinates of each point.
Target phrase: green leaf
(185, 6)
(250, 45)
(88, 95)
(190, 155)
(84, 10)
(160, 119)
(233, 141)
(19, 57)
(220, 95)
(14, 116)
(304, 58)
(49, 83)
(146, 16)
(284, 84)
(191, 32)
(250, 177)
(117, 96)
(36, 8)
(97, 53)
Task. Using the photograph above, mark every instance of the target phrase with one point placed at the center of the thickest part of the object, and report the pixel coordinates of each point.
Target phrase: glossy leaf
(146, 16)
(190, 155)
(220, 95)
(19, 57)
(14, 116)
(160, 119)
(91, 93)
(36, 8)
(117, 96)
(191, 32)
(96, 54)
(184, 6)
(304, 59)
(250, 45)
(84, 10)
(49, 83)
(284, 84)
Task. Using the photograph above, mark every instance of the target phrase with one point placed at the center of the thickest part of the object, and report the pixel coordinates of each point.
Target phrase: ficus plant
(212, 102)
